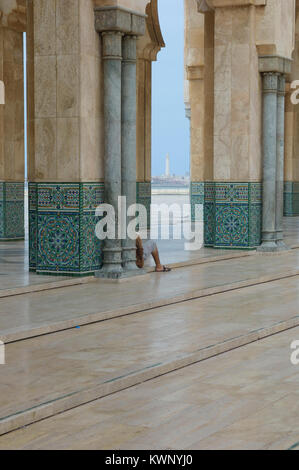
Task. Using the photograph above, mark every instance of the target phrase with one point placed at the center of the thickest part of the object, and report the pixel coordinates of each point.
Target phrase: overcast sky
(170, 126)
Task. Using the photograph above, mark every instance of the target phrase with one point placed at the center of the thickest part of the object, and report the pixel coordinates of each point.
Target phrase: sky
(170, 127)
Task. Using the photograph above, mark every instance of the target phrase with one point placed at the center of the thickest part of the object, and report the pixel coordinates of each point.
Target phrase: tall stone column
(270, 84)
(280, 161)
(112, 56)
(128, 131)
(273, 70)
(120, 123)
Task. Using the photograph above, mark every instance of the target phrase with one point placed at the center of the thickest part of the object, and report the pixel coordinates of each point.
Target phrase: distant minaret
(167, 170)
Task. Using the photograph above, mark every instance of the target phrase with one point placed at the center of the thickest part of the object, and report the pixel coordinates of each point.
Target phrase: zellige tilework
(232, 213)
(11, 211)
(62, 227)
(291, 199)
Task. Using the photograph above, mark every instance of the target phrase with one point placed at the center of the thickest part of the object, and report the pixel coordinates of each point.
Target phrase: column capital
(281, 87)
(119, 19)
(270, 82)
(129, 48)
(209, 5)
(112, 45)
(275, 63)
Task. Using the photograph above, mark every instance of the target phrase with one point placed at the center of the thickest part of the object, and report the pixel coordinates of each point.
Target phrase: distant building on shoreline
(170, 184)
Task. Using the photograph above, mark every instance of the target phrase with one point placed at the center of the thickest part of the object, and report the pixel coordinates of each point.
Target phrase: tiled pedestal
(62, 228)
(232, 213)
(291, 199)
(11, 211)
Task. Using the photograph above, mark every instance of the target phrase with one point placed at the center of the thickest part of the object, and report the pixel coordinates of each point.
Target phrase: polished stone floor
(42, 312)
(14, 270)
(66, 364)
(73, 345)
(14, 274)
(244, 399)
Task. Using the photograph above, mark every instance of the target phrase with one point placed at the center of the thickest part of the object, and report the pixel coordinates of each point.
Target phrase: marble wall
(12, 25)
(11, 211)
(65, 92)
(237, 125)
(12, 112)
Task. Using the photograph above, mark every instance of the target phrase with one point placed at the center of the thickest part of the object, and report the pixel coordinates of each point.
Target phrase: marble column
(280, 161)
(128, 164)
(270, 84)
(119, 28)
(112, 57)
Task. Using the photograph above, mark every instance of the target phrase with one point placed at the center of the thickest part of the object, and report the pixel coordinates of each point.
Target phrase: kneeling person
(145, 250)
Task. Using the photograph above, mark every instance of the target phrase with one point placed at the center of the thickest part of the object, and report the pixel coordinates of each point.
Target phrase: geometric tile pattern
(144, 197)
(62, 226)
(11, 211)
(291, 199)
(232, 214)
(197, 196)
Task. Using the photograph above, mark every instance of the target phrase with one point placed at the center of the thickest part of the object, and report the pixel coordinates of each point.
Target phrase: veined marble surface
(245, 399)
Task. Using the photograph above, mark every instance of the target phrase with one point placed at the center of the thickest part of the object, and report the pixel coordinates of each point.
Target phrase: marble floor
(78, 343)
(15, 275)
(50, 368)
(16, 278)
(245, 399)
(38, 313)
(14, 271)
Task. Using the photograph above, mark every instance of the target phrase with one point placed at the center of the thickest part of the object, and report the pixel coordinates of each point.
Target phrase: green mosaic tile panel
(11, 211)
(62, 227)
(291, 199)
(232, 213)
(197, 196)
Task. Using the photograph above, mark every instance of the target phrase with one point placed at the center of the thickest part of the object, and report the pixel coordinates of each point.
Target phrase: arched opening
(170, 124)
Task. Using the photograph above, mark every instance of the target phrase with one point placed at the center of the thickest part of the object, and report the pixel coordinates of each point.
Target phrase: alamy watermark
(128, 222)
(295, 353)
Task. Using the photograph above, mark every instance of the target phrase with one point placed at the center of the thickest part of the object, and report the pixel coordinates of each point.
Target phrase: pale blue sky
(170, 126)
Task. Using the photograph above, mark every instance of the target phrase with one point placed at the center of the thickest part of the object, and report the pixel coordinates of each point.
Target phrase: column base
(129, 257)
(11, 211)
(291, 199)
(119, 276)
(268, 247)
(62, 226)
(282, 246)
(232, 213)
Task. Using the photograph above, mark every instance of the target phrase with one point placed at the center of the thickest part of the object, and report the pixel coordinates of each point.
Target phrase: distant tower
(167, 170)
